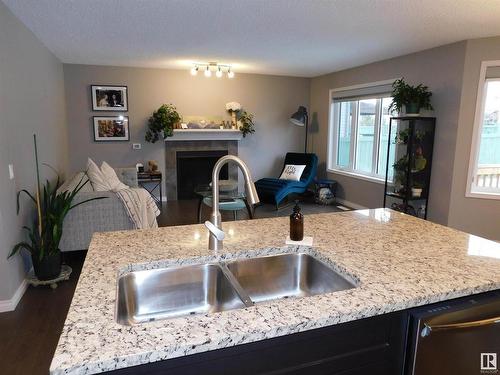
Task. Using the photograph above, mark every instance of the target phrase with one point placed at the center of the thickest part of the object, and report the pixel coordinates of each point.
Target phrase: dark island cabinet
(371, 346)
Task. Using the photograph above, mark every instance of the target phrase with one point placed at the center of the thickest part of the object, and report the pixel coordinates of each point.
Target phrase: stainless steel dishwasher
(457, 337)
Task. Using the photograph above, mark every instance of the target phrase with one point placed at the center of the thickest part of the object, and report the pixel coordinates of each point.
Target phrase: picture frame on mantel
(111, 128)
(109, 98)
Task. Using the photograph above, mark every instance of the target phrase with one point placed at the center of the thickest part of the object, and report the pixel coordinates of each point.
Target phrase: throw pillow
(111, 178)
(96, 177)
(292, 172)
(72, 183)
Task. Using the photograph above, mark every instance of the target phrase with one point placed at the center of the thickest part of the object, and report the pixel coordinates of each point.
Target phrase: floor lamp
(300, 118)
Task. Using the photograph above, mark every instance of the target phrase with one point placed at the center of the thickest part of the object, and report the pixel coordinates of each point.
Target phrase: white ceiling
(285, 37)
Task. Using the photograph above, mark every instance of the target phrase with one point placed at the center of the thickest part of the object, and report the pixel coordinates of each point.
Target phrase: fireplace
(183, 158)
(195, 168)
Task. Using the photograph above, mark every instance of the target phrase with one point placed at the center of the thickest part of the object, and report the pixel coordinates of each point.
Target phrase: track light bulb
(194, 70)
(208, 72)
(230, 73)
(219, 72)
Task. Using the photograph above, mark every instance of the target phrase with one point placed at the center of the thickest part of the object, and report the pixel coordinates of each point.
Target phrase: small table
(229, 198)
(145, 178)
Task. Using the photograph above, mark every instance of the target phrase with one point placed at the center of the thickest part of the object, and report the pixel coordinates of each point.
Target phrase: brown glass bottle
(296, 224)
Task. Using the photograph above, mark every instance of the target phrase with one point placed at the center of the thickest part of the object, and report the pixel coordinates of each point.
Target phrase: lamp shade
(299, 118)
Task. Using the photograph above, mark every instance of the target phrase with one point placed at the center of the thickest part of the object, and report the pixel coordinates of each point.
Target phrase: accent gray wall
(439, 68)
(272, 99)
(31, 101)
(474, 215)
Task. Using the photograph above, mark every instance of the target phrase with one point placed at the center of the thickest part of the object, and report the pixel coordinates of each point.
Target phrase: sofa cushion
(111, 178)
(96, 177)
(72, 183)
(292, 172)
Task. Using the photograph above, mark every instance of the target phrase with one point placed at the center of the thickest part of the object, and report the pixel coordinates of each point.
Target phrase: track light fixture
(210, 67)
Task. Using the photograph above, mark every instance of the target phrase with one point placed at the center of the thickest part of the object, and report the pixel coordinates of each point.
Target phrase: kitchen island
(396, 262)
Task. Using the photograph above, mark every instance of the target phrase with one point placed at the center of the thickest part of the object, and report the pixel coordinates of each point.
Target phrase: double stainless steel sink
(150, 295)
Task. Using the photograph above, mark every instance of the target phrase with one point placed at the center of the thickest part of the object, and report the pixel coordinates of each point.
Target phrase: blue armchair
(274, 190)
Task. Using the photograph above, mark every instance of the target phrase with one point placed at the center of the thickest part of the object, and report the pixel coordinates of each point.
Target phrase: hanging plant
(162, 122)
(246, 120)
(413, 98)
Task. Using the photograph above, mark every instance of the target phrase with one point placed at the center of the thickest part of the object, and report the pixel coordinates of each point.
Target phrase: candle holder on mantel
(233, 120)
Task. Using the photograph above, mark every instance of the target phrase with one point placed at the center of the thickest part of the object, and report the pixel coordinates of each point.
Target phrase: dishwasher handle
(426, 331)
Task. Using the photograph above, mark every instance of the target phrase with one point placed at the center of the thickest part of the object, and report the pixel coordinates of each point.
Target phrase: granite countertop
(397, 262)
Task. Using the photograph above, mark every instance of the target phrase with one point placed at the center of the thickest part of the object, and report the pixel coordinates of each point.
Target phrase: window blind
(493, 72)
(376, 89)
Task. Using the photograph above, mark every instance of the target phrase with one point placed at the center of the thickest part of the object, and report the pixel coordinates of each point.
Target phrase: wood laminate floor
(29, 335)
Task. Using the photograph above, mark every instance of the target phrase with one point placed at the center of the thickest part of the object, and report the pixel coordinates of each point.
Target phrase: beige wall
(31, 101)
(474, 215)
(441, 69)
(272, 99)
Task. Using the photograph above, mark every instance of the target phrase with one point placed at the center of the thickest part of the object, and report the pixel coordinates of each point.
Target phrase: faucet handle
(218, 233)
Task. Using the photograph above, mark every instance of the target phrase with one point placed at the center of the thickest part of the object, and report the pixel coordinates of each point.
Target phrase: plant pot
(412, 109)
(49, 267)
(416, 192)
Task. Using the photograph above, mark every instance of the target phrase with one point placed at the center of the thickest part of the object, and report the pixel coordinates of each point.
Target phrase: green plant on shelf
(403, 136)
(162, 122)
(400, 170)
(246, 121)
(413, 98)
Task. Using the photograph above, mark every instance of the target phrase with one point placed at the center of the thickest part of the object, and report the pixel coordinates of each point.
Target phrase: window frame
(332, 144)
(476, 133)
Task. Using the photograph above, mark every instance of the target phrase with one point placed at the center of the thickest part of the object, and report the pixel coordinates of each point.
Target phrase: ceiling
(286, 37)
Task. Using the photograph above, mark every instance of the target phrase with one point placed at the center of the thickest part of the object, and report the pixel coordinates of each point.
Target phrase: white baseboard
(10, 304)
(350, 204)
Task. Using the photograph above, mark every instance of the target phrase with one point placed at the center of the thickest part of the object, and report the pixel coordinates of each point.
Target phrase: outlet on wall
(136, 146)
(11, 171)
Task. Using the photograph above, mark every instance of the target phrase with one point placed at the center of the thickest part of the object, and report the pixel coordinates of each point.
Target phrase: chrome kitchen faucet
(214, 225)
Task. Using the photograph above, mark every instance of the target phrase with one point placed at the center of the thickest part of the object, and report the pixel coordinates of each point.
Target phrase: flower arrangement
(233, 107)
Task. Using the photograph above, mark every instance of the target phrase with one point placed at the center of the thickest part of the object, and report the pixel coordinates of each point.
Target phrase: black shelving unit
(408, 177)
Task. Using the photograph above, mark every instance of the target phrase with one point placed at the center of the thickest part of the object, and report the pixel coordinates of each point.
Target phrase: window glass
(344, 133)
(366, 134)
(361, 129)
(487, 174)
(384, 138)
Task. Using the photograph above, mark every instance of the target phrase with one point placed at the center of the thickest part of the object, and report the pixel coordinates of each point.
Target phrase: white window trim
(478, 124)
(332, 136)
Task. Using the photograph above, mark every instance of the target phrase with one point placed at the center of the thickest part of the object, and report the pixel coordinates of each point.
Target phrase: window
(484, 170)
(359, 131)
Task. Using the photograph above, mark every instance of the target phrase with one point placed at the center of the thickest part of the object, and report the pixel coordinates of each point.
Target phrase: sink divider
(236, 285)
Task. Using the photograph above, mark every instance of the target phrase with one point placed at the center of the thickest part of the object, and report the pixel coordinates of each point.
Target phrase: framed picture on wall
(109, 98)
(111, 128)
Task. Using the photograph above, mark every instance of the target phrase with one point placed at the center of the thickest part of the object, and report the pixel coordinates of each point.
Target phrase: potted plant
(403, 135)
(417, 188)
(400, 169)
(45, 234)
(162, 121)
(245, 120)
(412, 98)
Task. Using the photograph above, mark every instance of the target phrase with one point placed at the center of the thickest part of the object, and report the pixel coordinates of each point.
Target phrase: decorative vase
(233, 120)
(49, 267)
(416, 192)
(412, 109)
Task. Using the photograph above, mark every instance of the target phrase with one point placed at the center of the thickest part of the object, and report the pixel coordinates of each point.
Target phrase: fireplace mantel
(205, 135)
